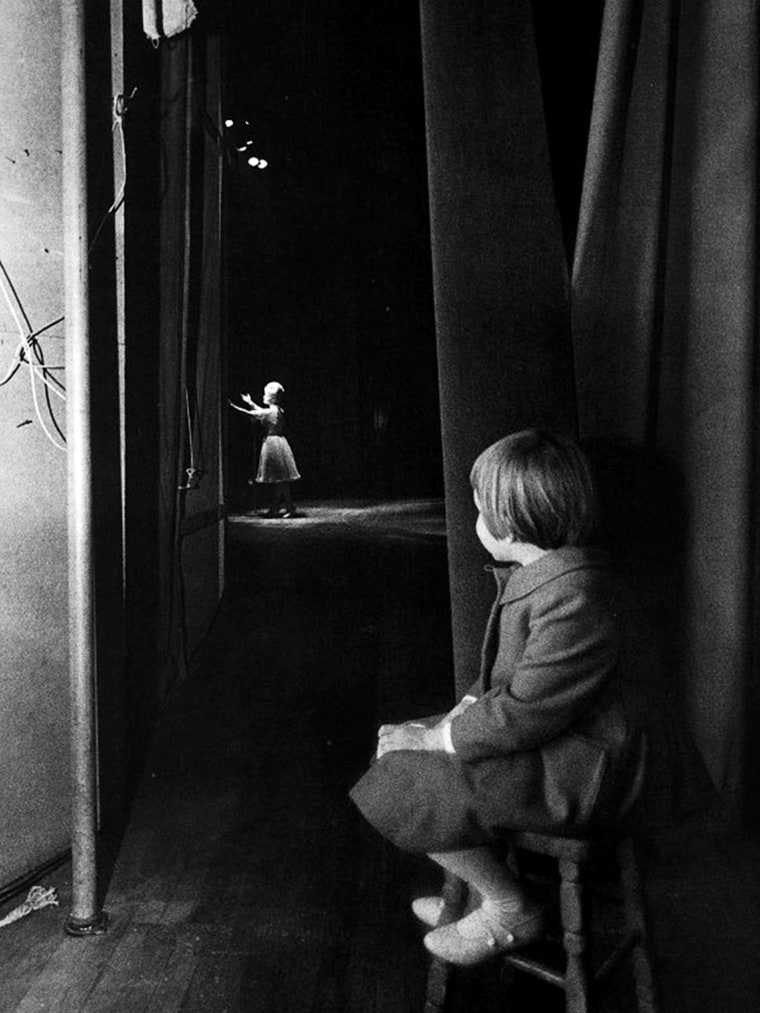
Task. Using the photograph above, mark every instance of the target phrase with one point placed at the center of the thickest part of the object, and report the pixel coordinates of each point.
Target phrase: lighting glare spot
(253, 161)
(229, 123)
(263, 163)
(242, 148)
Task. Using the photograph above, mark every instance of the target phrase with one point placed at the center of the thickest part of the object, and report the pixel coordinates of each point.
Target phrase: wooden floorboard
(170, 991)
(133, 972)
(72, 973)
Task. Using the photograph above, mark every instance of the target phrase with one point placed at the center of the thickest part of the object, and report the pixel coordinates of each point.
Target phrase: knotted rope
(38, 897)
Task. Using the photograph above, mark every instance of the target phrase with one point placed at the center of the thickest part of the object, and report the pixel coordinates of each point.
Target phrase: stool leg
(454, 898)
(635, 913)
(437, 986)
(574, 938)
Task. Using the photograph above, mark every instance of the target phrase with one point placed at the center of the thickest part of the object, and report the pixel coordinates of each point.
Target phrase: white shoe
(479, 935)
(428, 910)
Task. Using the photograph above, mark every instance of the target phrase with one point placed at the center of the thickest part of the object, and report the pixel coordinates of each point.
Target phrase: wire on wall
(28, 351)
(27, 348)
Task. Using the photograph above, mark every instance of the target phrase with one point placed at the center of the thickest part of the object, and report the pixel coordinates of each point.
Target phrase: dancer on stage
(277, 465)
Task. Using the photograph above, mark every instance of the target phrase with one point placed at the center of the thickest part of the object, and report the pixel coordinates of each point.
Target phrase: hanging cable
(38, 412)
(28, 344)
(189, 430)
(38, 350)
(119, 110)
(42, 367)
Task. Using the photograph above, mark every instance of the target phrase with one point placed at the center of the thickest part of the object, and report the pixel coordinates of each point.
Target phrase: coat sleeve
(570, 652)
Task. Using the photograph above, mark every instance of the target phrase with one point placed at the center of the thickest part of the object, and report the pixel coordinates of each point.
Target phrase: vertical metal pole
(84, 919)
(119, 179)
(221, 379)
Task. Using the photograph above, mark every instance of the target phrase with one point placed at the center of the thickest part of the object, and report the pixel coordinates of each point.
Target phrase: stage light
(263, 163)
(229, 123)
(253, 161)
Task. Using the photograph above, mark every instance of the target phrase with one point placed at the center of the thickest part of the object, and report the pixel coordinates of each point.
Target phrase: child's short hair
(275, 390)
(536, 486)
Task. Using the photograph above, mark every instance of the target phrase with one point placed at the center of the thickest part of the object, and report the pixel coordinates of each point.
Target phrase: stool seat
(566, 961)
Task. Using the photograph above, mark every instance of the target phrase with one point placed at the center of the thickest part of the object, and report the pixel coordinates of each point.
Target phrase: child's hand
(408, 736)
(247, 398)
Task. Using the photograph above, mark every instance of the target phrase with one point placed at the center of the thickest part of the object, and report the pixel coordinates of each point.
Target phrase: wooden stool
(571, 968)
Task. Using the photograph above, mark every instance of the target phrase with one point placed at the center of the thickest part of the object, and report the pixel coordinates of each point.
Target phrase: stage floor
(418, 518)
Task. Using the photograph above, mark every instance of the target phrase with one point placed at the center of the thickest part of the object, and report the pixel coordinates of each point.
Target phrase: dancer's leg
(274, 506)
(287, 498)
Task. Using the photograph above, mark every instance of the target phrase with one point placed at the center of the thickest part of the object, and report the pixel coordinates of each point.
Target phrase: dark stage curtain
(663, 292)
(190, 355)
(665, 323)
(500, 283)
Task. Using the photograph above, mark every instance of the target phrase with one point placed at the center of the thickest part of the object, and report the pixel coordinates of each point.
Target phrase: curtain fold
(190, 539)
(499, 272)
(664, 317)
(176, 181)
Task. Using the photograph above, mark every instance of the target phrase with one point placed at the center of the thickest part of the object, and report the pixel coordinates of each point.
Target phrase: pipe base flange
(75, 927)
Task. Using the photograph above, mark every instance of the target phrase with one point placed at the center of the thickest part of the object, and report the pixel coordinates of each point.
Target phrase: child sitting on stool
(562, 733)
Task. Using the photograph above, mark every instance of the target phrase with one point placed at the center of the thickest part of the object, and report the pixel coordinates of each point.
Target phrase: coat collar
(518, 581)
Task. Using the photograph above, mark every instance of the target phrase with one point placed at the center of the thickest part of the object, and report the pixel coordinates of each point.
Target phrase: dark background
(329, 271)
(330, 287)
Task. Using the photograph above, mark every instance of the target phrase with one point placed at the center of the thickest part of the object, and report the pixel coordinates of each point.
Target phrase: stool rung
(540, 960)
(536, 968)
(571, 957)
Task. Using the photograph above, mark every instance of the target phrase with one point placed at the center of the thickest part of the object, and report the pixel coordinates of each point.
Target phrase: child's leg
(488, 873)
(507, 917)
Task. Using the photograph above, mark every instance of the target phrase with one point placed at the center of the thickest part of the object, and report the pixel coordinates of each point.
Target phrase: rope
(38, 897)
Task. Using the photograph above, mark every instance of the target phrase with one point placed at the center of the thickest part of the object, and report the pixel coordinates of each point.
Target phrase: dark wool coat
(570, 731)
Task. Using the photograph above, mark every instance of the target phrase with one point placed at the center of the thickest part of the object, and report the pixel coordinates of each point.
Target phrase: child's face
(500, 548)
